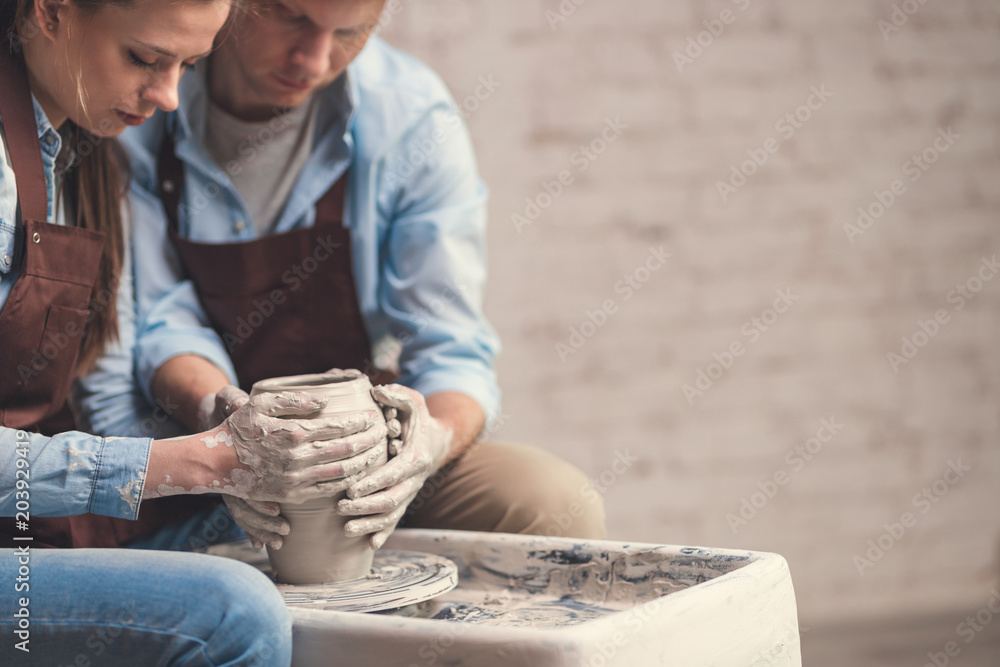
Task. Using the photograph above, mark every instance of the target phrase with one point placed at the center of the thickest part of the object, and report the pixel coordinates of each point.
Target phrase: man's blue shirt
(415, 207)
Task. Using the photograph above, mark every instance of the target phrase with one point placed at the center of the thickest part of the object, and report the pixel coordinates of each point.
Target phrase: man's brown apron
(284, 304)
(43, 322)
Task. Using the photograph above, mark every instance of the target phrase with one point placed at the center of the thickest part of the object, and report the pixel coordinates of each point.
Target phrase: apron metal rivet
(36, 237)
(168, 186)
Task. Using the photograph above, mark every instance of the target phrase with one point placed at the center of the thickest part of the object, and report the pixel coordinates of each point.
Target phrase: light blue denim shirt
(415, 208)
(72, 473)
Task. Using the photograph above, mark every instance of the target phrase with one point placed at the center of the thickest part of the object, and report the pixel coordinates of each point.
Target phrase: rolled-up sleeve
(434, 273)
(72, 473)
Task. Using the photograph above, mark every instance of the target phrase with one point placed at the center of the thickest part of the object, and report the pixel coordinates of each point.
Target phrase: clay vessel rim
(329, 384)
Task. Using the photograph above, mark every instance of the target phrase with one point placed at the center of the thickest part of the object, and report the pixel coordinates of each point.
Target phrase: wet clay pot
(316, 549)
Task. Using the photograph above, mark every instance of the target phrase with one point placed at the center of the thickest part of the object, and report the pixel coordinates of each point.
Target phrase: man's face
(284, 52)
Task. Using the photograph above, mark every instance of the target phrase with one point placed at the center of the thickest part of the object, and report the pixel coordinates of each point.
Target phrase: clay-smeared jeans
(133, 608)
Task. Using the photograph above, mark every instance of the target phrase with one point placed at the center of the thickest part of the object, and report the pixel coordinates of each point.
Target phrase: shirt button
(239, 226)
(49, 139)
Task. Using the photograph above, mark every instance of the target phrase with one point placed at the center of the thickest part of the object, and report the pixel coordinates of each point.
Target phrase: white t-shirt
(263, 160)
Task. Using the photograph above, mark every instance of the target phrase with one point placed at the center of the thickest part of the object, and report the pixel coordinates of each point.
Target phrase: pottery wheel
(397, 579)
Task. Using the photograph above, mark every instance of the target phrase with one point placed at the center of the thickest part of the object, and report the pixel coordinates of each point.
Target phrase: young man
(316, 193)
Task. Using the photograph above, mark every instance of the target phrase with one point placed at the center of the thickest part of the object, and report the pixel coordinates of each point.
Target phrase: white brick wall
(825, 357)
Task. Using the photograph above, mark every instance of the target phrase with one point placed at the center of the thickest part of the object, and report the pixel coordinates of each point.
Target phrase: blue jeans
(137, 606)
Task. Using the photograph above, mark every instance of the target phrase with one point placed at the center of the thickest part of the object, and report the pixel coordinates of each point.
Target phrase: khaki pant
(505, 487)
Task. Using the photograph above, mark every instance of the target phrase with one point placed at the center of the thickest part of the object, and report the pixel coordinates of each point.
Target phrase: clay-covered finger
(379, 538)
(331, 428)
(338, 449)
(355, 465)
(267, 508)
(258, 538)
(347, 467)
(394, 428)
(394, 447)
(374, 524)
(229, 399)
(391, 473)
(381, 502)
(327, 489)
(396, 396)
(247, 517)
(267, 537)
(287, 404)
(272, 526)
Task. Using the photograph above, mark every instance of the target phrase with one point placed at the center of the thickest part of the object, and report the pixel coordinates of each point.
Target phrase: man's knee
(546, 495)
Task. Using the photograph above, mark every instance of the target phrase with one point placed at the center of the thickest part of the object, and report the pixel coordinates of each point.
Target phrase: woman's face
(113, 67)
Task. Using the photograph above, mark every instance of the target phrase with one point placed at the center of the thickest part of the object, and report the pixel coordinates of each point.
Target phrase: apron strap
(170, 176)
(330, 207)
(21, 131)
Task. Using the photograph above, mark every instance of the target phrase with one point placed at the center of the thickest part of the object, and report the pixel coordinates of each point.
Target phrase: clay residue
(79, 456)
(131, 493)
(532, 611)
(615, 580)
(221, 437)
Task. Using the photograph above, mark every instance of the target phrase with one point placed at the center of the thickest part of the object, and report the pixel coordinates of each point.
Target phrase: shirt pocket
(47, 369)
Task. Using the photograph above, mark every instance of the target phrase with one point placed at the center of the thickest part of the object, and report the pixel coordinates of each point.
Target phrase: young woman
(74, 74)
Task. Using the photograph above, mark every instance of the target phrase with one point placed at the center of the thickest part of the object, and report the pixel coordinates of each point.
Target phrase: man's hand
(424, 446)
(216, 408)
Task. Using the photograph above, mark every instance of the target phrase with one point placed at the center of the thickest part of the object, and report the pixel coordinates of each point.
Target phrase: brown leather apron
(43, 322)
(284, 304)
